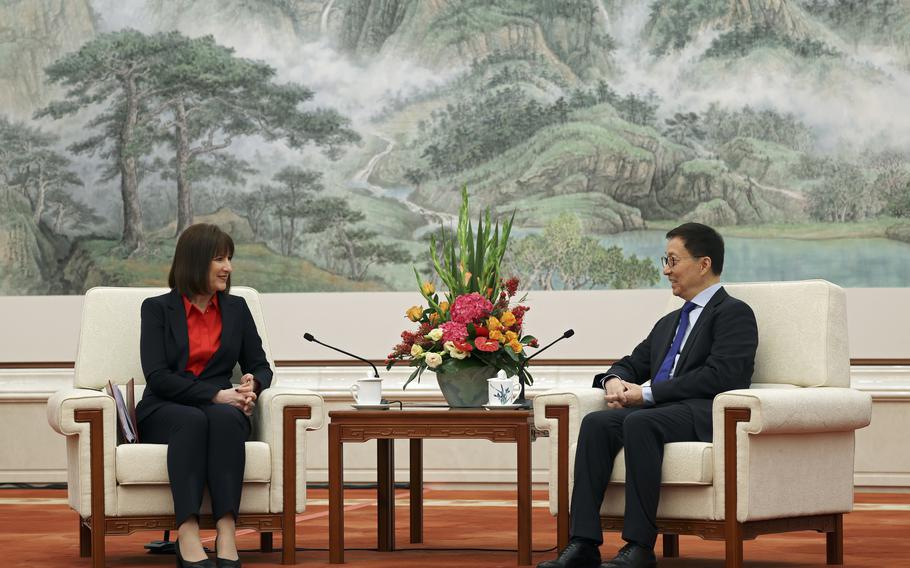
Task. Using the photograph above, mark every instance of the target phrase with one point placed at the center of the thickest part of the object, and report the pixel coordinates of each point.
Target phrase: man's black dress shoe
(633, 556)
(576, 554)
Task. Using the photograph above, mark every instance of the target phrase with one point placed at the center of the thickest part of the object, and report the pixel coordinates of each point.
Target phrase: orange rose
(496, 335)
(414, 313)
(511, 336)
(507, 319)
(516, 346)
(493, 324)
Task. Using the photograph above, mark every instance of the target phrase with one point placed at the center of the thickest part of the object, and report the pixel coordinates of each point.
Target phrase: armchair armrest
(304, 410)
(581, 402)
(560, 412)
(64, 410)
(791, 451)
(793, 411)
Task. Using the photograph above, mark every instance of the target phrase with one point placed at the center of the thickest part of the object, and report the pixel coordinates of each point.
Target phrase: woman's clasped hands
(242, 397)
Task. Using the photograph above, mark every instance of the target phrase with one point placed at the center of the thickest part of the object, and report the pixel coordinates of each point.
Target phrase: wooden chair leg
(265, 542)
(835, 542)
(671, 546)
(85, 540)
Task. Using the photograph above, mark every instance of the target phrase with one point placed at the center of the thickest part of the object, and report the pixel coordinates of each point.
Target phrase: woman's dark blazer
(164, 348)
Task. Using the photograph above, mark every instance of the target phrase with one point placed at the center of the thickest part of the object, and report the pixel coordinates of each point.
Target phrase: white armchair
(782, 454)
(121, 489)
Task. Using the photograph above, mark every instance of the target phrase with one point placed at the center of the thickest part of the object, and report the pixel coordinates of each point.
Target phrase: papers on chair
(127, 429)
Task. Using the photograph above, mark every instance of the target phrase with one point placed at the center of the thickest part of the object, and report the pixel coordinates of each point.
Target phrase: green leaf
(413, 376)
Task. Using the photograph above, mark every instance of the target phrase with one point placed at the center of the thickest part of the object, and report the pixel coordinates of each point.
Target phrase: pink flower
(454, 331)
(470, 307)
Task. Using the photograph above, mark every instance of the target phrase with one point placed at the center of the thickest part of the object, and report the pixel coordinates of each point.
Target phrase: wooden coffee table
(416, 424)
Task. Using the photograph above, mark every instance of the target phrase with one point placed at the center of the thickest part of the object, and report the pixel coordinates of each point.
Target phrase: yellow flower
(416, 351)
(493, 323)
(434, 318)
(496, 335)
(443, 307)
(428, 288)
(435, 335)
(516, 346)
(467, 278)
(511, 336)
(508, 319)
(414, 313)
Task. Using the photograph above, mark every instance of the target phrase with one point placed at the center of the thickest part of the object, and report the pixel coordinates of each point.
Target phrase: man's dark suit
(719, 355)
(205, 440)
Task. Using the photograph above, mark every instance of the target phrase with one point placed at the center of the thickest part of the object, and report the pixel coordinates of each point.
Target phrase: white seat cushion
(685, 463)
(146, 464)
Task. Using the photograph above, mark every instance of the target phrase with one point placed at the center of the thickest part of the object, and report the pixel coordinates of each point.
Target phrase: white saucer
(381, 406)
(502, 406)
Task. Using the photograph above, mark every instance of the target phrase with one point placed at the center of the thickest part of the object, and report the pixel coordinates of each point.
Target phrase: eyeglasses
(672, 261)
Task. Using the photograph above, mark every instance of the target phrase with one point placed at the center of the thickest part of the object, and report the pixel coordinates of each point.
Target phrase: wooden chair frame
(729, 529)
(94, 528)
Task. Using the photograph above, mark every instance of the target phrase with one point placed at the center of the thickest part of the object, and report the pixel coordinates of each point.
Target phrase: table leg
(524, 495)
(416, 490)
(385, 493)
(336, 495)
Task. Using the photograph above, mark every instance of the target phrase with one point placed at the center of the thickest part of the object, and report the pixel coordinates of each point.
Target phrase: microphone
(521, 400)
(309, 337)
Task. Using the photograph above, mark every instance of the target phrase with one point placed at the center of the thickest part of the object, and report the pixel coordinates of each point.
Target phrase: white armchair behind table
(782, 454)
(120, 489)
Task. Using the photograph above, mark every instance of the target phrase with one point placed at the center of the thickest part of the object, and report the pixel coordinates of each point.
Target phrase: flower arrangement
(478, 324)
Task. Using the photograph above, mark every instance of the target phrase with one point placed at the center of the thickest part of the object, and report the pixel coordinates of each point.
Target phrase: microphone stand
(309, 337)
(521, 400)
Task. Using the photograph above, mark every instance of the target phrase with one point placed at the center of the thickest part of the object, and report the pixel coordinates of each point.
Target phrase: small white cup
(503, 391)
(367, 391)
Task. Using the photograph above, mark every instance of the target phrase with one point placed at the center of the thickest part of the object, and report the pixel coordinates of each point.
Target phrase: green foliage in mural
(196, 91)
(565, 256)
(739, 43)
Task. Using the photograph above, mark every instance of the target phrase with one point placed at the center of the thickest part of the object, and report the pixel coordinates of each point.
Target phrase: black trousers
(643, 433)
(205, 447)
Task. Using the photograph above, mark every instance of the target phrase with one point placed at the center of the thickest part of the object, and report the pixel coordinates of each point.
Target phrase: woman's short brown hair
(196, 247)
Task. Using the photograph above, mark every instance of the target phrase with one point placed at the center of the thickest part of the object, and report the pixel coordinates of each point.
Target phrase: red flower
(481, 331)
(511, 286)
(463, 346)
(485, 344)
(533, 343)
(519, 311)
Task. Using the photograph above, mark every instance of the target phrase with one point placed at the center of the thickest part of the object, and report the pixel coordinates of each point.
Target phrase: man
(692, 354)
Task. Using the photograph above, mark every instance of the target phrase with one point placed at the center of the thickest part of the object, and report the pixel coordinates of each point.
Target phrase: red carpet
(38, 531)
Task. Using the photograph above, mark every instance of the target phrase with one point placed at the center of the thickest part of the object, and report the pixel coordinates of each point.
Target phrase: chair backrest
(109, 334)
(802, 332)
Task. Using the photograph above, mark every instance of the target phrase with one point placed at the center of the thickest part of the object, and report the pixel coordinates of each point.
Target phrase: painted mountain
(332, 138)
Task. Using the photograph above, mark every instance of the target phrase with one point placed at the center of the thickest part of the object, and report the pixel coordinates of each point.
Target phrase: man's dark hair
(701, 240)
(196, 248)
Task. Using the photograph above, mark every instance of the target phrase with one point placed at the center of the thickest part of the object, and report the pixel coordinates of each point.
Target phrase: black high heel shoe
(224, 562)
(181, 563)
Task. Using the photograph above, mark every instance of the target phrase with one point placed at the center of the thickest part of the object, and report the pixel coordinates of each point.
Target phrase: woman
(192, 337)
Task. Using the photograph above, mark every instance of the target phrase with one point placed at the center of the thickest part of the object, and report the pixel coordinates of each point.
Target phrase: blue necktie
(663, 374)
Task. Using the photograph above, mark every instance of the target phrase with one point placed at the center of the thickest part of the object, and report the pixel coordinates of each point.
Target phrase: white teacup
(367, 391)
(503, 391)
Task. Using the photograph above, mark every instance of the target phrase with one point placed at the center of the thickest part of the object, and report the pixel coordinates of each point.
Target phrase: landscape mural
(332, 138)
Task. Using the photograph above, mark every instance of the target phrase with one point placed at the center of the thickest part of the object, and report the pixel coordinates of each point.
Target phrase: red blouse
(204, 331)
